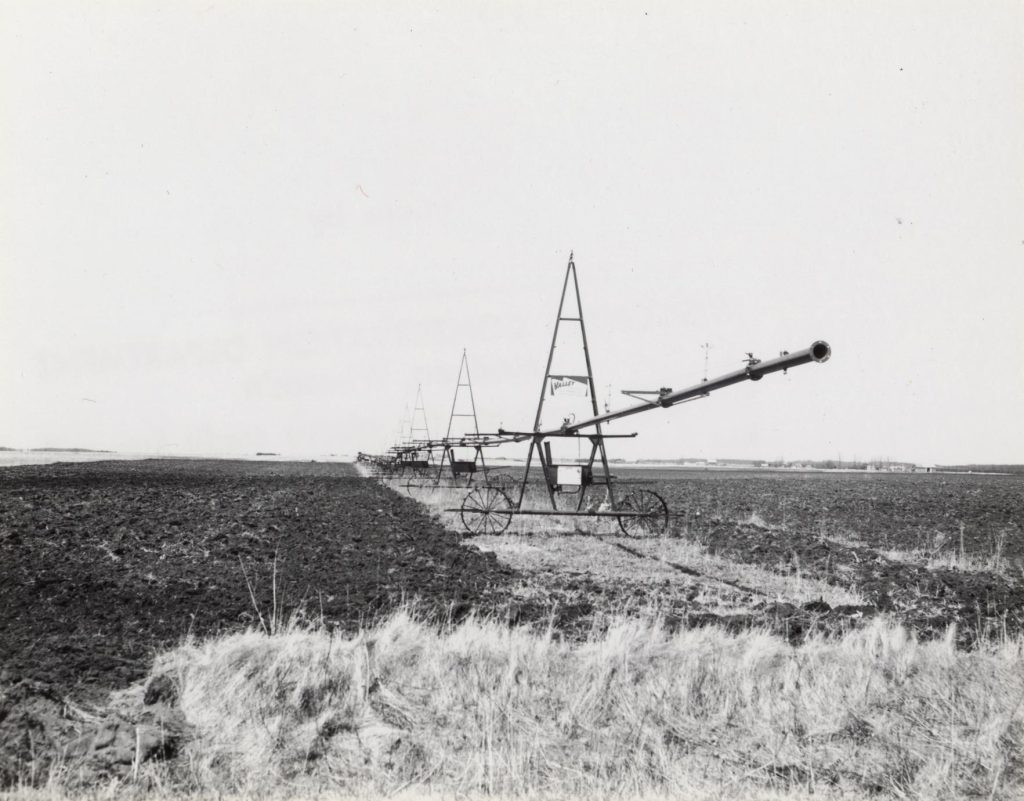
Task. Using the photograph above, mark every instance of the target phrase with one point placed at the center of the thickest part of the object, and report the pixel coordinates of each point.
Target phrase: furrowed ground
(759, 648)
(791, 551)
(104, 562)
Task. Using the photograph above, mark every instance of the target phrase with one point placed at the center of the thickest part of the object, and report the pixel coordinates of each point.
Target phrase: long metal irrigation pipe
(820, 351)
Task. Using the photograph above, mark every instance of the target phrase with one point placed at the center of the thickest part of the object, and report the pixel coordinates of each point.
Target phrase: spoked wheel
(650, 514)
(502, 481)
(486, 510)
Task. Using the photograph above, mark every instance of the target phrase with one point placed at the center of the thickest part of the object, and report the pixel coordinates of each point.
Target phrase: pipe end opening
(821, 351)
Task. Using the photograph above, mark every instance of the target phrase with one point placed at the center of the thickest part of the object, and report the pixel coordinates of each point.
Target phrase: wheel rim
(486, 510)
(652, 517)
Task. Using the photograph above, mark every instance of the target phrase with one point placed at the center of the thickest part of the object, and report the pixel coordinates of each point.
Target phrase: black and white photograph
(514, 400)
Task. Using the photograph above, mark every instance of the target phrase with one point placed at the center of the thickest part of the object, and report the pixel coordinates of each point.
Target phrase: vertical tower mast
(418, 409)
(553, 381)
(468, 386)
(462, 384)
(561, 318)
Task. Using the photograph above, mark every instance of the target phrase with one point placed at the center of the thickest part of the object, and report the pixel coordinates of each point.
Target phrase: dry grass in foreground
(484, 710)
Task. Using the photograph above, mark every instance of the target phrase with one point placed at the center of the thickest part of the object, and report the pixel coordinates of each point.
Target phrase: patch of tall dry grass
(482, 709)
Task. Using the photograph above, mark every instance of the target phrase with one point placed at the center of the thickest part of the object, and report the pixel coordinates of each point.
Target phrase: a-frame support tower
(463, 466)
(565, 477)
(422, 430)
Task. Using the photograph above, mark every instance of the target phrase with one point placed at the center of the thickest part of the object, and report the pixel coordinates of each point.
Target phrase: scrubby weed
(936, 555)
(481, 709)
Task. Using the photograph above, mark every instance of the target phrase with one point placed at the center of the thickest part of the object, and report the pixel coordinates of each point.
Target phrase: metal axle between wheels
(558, 513)
(489, 510)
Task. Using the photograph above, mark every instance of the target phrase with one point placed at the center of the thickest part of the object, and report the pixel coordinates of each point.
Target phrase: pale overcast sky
(231, 227)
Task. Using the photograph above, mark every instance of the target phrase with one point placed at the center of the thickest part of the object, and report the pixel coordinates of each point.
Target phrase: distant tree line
(983, 468)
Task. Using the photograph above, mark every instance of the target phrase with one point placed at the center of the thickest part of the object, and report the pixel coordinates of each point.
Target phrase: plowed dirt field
(103, 563)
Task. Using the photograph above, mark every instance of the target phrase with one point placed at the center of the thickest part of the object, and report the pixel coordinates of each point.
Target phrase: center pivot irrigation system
(456, 460)
(490, 506)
